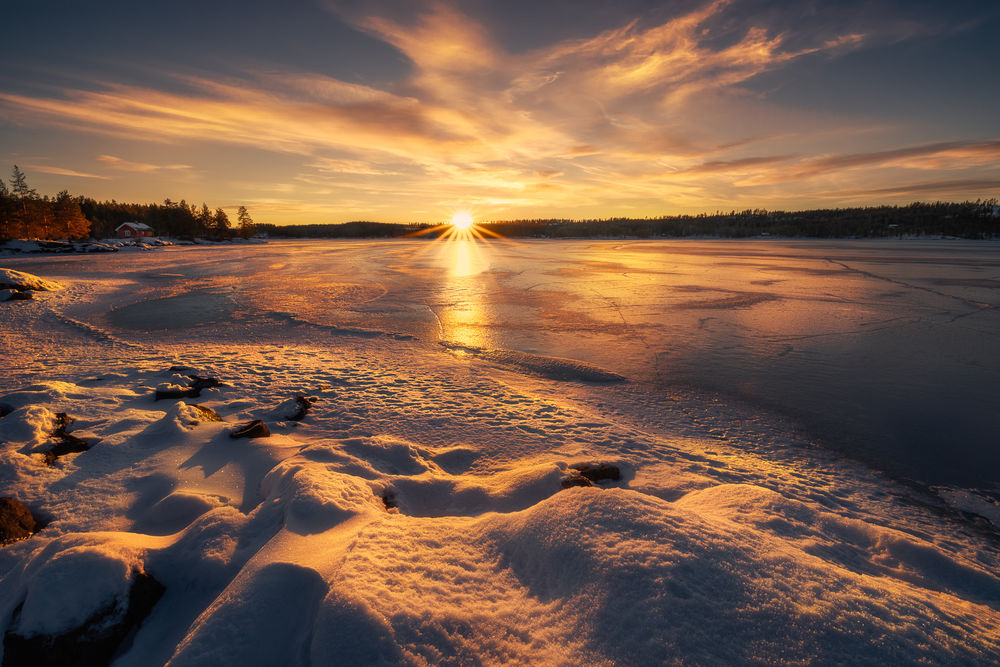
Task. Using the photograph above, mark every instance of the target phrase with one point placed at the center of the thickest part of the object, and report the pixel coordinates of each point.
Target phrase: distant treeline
(344, 230)
(25, 214)
(973, 220)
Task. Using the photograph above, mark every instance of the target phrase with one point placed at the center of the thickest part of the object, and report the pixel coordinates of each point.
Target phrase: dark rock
(176, 393)
(207, 414)
(389, 499)
(575, 480)
(68, 444)
(94, 643)
(16, 521)
(198, 383)
(21, 296)
(302, 405)
(596, 473)
(254, 429)
(178, 369)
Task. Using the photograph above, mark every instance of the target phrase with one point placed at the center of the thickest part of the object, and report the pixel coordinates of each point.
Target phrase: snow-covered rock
(10, 278)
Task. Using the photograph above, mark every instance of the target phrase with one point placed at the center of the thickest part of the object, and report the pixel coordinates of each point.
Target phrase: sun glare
(461, 220)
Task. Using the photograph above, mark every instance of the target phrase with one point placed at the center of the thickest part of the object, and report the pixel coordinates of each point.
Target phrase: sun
(461, 220)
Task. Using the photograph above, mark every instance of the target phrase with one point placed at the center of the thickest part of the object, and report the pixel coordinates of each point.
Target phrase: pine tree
(69, 220)
(246, 222)
(25, 220)
(221, 223)
(204, 217)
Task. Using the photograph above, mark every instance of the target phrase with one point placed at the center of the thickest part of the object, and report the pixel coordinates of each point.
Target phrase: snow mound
(26, 281)
(75, 584)
(28, 426)
(264, 619)
(315, 498)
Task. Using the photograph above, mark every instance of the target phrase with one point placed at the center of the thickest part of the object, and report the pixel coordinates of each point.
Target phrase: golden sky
(411, 111)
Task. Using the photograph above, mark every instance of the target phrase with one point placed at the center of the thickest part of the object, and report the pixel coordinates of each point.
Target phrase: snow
(73, 584)
(25, 281)
(416, 515)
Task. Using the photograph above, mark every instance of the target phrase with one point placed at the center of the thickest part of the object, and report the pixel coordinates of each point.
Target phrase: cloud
(59, 171)
(641, 114)
(126, 165)
(912, 190)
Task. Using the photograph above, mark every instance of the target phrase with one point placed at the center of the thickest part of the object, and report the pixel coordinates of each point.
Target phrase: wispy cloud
(59, 171)
(127, 165)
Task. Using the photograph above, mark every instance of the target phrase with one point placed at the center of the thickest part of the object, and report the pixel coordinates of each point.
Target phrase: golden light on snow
(462, 220)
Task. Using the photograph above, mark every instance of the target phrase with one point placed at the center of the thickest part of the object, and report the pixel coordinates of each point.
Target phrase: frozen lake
(886, 350)
(448, 467)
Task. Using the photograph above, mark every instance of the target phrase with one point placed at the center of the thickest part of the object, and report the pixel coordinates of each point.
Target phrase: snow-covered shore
(416, 513)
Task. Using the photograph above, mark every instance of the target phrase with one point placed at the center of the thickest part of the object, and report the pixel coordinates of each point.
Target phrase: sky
(323, 111)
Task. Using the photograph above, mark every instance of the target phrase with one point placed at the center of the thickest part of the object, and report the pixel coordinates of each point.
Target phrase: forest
(26, 214)
(978, 219)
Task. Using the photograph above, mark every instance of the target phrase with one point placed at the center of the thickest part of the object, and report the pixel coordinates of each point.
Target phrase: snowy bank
(335, 540)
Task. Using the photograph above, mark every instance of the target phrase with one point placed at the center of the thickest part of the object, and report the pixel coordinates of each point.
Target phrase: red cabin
(133, 230)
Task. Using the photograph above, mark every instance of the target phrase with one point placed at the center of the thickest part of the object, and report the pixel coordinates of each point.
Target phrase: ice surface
(415, 514)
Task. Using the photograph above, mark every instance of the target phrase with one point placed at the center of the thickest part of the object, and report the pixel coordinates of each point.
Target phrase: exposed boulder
(254, 429)
(16, 521)
(575, 480)
(296, 408)
(205, 413)
(601, 471)
(18, 295)
(68, 443)
(193, 390)
(587, 474)
(18, 280)
(95, 642)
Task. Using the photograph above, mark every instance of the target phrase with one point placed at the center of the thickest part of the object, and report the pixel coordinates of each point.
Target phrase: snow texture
(415, 514)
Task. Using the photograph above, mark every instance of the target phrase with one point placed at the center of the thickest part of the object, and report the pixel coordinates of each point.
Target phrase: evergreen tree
(221, 223)
(204, 217)
(69, 221)
(246, 222)
(25, 219)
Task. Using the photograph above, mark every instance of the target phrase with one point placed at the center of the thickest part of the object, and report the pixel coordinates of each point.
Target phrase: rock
(95, 642)
(601, 471)
(302, 407)
(575, 480)
(68, 444)
(17, 295)
(184, 392)
(19, 280)
(16, 521)
(7, 294)
(198, 383)
(254, 429)
(389, 500)
(206, 414)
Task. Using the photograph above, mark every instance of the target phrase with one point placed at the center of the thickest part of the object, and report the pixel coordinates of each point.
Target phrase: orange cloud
(126, 165)
(59, 171)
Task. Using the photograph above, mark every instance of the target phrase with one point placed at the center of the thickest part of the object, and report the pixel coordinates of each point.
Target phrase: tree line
(972, 219)
(25, 214)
